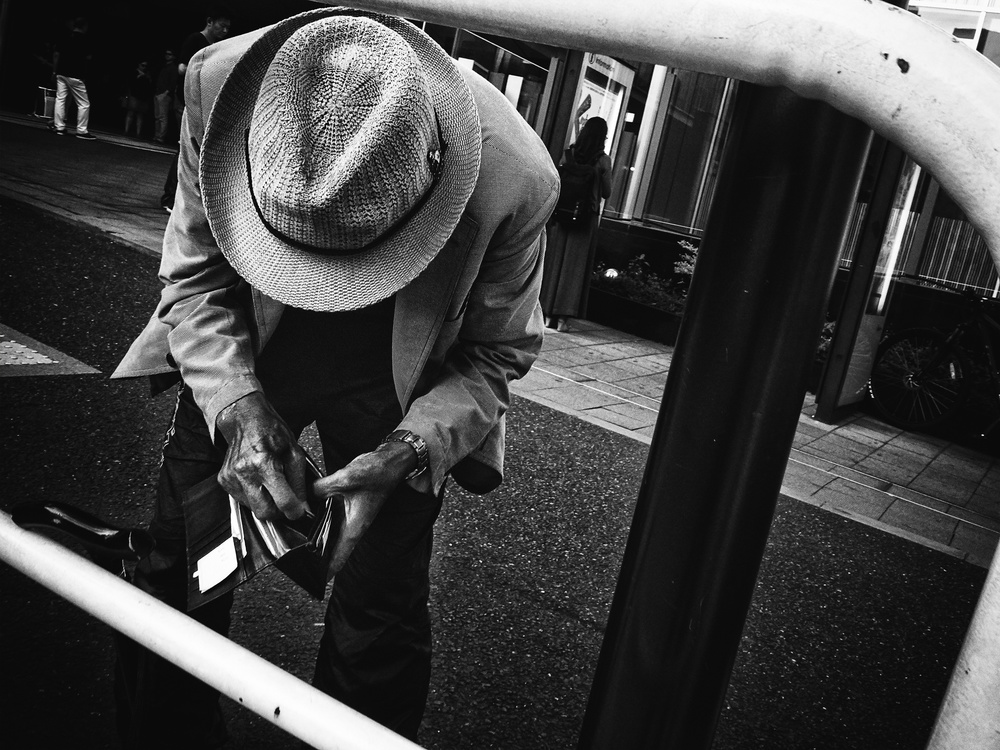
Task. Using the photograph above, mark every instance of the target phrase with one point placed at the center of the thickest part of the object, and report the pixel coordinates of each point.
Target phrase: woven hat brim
(330, 283)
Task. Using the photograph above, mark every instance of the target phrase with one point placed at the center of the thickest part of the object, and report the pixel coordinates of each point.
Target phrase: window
(687, 160)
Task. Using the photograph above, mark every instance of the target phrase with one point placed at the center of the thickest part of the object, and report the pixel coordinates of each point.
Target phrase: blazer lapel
(422, 307)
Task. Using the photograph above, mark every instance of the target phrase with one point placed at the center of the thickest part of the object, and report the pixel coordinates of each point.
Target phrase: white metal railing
(910, 82)
(295, 706)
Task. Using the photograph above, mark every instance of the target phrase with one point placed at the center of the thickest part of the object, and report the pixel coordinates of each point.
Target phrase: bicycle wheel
(918, 379)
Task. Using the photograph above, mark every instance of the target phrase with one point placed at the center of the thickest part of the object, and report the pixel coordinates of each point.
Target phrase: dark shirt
(166, 79)
(334, 368)
(141, 87)
(74, 55)
(191, 46)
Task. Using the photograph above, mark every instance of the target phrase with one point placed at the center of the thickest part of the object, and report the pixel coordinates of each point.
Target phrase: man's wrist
(229, 416)
(418, 448)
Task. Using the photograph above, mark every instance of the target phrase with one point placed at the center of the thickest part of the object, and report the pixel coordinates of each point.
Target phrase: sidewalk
(941, 495)
(922, 488)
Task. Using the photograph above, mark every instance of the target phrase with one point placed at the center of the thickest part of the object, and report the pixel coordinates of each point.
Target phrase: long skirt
(569, 258)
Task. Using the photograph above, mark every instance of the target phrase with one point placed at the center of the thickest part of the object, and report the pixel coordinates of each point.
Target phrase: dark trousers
(375, 652)
(170, 185)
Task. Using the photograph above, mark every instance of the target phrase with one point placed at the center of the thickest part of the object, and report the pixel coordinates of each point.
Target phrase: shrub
(638, 282)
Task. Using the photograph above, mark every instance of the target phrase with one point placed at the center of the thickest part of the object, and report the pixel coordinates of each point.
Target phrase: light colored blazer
(464, 328)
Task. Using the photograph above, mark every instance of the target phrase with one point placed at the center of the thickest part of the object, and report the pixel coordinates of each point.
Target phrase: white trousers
(65, 86)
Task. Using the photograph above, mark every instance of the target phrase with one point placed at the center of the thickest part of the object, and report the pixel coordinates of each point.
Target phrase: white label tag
(214, 567)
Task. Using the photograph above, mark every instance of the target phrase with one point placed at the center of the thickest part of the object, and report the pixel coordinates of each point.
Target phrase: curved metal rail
(909, 81)
(251, 681)
(921, 88)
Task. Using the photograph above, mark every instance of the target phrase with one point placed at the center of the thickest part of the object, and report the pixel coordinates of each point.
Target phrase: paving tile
(985, 501)
(572, 357)
(862, 436)
(626, 396)
(992, 478)
(608, 372)
(853, 498)
(979, 544)
(921, 521)
(840, 449)
(553, 343)
(617, 380)
(565, 373)
(803, 482)
(23, 356)
(578, 396)
(923, 445)
(817, 462)
(967, 452)
(624, 415)
(864, 420)
(862, 478)
(650, 364)
(873, 428)
(949, 487)
(639, 348)
(647, 385)
(971, 466)
(646, 432)
(536, 379)
(976, 519)
(894, 464)
(798, 439)
(810, 427)
(571, 338)
(921, 498)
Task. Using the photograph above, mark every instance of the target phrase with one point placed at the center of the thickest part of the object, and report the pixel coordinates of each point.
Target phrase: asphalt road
(849, 643)
(88, 182)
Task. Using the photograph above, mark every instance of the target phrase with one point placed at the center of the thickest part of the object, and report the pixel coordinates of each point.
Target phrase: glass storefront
(689, 149)
(671, 148)
(524, 77)
(938, 243)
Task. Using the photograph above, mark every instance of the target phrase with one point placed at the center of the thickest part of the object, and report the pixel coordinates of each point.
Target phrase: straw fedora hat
(338, 158)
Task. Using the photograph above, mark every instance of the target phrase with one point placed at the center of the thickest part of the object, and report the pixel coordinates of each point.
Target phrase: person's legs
(59, 112)
(79, 89)
(375, 654)
(161, 111)
(170, 187)
(159, 705)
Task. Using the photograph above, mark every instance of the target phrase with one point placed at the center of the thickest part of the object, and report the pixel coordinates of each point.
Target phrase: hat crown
(339, 141)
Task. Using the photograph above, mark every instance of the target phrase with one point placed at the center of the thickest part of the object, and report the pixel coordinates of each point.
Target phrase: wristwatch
(417, 443)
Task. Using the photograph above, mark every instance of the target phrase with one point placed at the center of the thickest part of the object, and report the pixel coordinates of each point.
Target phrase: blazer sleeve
(209, 338)
(500, 329)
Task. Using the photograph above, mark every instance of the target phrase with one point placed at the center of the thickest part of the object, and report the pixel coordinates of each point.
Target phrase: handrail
(295, 706)
(968, 715)
(919, 87)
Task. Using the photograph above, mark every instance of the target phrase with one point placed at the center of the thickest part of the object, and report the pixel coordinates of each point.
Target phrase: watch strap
(417, 443)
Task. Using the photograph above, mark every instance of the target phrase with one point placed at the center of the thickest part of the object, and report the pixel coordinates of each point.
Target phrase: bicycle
(922, 376)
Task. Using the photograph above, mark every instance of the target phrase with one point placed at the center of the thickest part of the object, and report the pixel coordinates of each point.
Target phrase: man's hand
(365, 484)
(265, 469)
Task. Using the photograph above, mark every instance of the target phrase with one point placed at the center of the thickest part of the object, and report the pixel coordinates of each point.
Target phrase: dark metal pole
(725, 428)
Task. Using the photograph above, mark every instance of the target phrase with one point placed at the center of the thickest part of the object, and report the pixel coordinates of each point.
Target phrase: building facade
(668, 130)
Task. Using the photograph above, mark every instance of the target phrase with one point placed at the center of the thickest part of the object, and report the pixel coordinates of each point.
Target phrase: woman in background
(572, 233)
